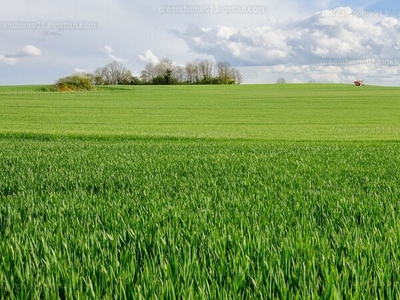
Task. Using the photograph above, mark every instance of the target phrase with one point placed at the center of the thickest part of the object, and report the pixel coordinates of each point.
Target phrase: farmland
(278, 112)
(200, 192)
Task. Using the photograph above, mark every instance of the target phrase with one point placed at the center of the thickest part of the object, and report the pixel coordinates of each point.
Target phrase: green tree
(159, 79)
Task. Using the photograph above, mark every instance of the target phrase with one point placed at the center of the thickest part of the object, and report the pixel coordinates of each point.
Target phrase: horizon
(105, 86)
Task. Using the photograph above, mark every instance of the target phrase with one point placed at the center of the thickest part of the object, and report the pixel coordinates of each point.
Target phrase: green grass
(200, 193)
(222, 219)
(276, 112)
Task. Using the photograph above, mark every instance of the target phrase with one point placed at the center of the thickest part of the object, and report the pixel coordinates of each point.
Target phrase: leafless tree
(178, 72)
(192, 72)
(113, 73)
(206, 68)
(224, 71)
(236, 76)
(281, 80)
(163, 66)
(148, 73)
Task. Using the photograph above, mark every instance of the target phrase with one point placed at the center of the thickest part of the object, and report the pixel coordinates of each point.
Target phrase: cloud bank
(331, 45)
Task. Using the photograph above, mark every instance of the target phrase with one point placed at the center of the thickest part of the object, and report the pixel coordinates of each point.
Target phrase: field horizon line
(181, 138)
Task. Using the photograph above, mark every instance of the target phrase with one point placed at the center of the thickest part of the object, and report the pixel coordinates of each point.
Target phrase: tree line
(196, 72)
(162, 73)
(166, 72)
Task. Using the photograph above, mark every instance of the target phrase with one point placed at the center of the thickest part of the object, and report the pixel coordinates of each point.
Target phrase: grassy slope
(287, 112)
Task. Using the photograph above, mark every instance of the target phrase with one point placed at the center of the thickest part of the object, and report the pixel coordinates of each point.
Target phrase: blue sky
(302, 41)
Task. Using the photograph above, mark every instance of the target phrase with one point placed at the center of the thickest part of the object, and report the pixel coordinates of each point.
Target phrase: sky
(301, 41)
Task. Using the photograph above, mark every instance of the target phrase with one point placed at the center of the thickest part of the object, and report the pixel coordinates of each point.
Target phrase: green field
(213, 192)
(288, 112)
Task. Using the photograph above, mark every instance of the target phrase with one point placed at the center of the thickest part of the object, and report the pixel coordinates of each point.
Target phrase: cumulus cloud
(28, 50)
(327, 34)
(148, 57)
(109, 50)
(14, 57)
(327, 42)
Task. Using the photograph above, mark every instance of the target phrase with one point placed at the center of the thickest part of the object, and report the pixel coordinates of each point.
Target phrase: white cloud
(390, 22)
(8, 60)
(340, 35)
(225, 32)
(28, 50)
(78, 70)
(148, 57)
(325, 77)
(25, 51)
(329, 34)
(14, 57)
(107, 49)
(359, 69)
(331, 69)
(118, 59)
(289, 69)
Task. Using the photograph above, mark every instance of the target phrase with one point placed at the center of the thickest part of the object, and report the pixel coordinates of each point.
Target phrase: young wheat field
(200, 192)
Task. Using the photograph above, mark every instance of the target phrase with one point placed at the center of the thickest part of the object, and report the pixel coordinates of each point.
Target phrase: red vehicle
(358, 83)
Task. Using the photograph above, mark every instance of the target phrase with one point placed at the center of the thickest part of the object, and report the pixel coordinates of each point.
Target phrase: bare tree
(206, 68)
(192, 72)
(163, 66)
(127, 77)
(148, 73)
(112, 73)
(100, 75)
(178, 72)
(98, 78)
(281, 80)
(236, 76)
(224, 71)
